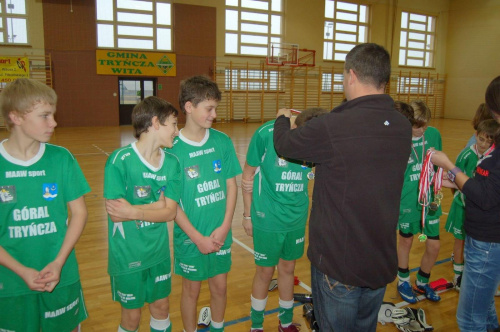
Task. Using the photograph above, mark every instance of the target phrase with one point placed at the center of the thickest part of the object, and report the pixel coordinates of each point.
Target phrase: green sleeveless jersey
(280, 198)
(410, 210)
(137, 245)
(34, 214)
(205, 167)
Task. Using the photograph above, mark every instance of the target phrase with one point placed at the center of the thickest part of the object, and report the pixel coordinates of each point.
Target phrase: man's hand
(284, 111)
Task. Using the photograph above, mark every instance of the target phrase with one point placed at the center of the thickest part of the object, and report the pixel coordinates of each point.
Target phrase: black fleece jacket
(361, 149)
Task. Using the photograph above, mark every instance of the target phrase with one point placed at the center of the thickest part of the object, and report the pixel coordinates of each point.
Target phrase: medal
(310, 175)
(433, 206)
(422, 237)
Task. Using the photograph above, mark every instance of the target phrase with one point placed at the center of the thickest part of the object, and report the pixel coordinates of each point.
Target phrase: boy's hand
(121, 209)
(284, 111)
(31, 277)
(50, 276)
(247, 225)
(219, 234)
(208, 245)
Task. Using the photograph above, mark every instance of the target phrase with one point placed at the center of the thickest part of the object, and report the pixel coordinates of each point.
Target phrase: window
(414, 86)
(346, 25)
(257, 80)
(251, 25)
(418, 34)
(134, 24)
(336, 81)
(13, 23)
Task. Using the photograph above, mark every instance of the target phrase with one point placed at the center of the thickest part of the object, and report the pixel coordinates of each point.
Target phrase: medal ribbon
(428, 177)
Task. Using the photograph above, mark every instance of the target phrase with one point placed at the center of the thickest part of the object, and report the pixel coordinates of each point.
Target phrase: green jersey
(206, 166)
(410, 210)
(280, 198)
(33, 212)
(138, 245)
(467, 162)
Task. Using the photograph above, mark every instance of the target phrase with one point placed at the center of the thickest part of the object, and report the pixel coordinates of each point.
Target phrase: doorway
(132, 91)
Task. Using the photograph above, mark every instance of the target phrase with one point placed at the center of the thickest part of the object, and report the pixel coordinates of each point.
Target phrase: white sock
(217, 325)
(258, 305)
(159, 324)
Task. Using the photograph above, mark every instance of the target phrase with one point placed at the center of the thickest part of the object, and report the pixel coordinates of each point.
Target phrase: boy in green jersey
(275, 214)
(467, 161)
(410, 211)
(202, 230)
(142, 188)
(40, 286)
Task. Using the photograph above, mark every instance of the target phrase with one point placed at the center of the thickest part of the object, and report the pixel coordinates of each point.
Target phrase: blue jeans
(476, 305)
(343, 308)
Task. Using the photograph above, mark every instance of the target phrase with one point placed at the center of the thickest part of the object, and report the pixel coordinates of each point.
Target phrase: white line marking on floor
(98, 148)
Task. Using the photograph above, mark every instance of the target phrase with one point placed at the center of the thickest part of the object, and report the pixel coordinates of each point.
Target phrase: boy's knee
(433, 246)
(131, 319)
(159, 308)
(286, 267)
(264, 272)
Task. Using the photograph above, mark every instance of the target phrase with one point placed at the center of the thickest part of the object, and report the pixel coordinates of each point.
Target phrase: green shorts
(269, 247)
(132, 290)
(415, 227)
(203, 267)
(455, 222)
(62, 310)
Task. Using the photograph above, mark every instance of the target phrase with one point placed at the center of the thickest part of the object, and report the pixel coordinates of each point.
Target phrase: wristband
(452, 173)
(246, 218)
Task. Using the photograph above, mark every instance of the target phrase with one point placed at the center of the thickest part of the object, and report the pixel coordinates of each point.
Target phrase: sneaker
(406, 292)
(428, 292)
(457, 282)
(257, 330)
(291, 328)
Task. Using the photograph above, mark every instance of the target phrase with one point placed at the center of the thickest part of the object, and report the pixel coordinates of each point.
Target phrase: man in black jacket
(360, 150)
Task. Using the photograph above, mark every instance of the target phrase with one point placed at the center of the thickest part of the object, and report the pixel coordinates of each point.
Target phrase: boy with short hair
(202, 232)
(467, 161)
(275, 214)
(410, 213)
(142, 188)
(40, 286)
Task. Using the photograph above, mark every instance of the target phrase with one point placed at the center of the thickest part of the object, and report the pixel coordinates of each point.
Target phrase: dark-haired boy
(467, 161)
(202, 232)
(142, 188)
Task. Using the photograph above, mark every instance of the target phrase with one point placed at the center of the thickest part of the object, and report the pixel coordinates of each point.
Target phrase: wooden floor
(92, 146)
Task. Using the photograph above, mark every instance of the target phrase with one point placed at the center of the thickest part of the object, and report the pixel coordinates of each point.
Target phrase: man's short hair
(197, 89)
(371, 63)
(22, 95)
(143, 113)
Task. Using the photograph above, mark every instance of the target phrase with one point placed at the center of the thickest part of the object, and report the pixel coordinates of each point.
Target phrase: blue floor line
(297, 304)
